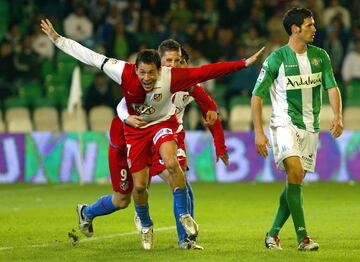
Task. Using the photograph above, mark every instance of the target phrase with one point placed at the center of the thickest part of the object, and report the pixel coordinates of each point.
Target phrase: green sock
(294, 197)
(282, 215)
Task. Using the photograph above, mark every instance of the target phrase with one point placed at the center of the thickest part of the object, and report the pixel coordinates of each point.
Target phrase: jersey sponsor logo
(261, 75)
(112, 61)
(157, 97)
(160, 133)
(303, 81)
(143, 109)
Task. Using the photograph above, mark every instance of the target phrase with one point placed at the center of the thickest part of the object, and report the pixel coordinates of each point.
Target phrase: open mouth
(147, 86)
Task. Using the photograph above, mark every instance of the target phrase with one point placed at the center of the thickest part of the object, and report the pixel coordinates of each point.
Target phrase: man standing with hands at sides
(295, 75)
(147, 89)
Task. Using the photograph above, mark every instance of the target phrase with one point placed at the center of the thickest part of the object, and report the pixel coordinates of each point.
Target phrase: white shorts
(291, 141)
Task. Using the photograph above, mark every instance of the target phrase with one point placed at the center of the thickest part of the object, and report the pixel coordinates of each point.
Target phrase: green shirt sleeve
(327, 72)
(267, 76)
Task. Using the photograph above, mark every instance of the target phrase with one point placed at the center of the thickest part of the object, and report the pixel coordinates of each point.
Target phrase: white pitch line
(34, 188)
(87, 239)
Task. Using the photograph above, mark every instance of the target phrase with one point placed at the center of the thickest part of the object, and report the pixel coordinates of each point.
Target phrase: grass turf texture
(35, 221)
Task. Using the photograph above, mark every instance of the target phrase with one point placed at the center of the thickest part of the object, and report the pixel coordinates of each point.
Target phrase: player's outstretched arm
(252, 59)
(113, 70)
(48, 29)
(183, 78)
(72, 47)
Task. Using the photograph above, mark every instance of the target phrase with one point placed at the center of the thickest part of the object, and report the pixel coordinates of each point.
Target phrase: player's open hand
(49, 30)
(211, 117)
(336, 127)
(225, 158)
(253, 58)
(262, 143)
(135, 121)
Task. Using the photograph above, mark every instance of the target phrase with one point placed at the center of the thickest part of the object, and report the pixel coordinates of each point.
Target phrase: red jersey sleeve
(204, 101)
(219, 138)
(131, 87)
(183, 78)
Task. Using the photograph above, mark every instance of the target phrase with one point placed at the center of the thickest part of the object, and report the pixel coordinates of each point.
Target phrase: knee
(140, 188)
(121, 201)
(296, 176)
(171, 163)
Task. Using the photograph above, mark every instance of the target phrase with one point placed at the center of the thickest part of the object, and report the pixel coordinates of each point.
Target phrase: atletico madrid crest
(157, 97)
(124, 185)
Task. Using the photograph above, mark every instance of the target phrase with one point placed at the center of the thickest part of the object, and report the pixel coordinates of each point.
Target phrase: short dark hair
(184, 55)
(169, 45)
(295, 16)
(148, 56)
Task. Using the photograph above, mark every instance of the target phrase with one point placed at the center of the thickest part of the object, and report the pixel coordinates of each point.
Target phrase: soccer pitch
(233, 218)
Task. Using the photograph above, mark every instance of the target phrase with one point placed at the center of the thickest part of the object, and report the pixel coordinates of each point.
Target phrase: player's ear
(295, 29)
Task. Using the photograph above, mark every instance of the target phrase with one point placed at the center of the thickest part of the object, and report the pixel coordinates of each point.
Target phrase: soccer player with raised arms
(295, 75)
(148, 88)
(172, 55)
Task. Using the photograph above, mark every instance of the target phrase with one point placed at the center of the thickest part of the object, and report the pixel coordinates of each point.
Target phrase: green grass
(233, 219)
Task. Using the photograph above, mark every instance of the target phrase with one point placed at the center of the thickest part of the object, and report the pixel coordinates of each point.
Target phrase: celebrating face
(147, 74)
(171, 58)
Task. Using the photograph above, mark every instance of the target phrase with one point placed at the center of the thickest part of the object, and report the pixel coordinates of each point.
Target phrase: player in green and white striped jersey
(295, 75)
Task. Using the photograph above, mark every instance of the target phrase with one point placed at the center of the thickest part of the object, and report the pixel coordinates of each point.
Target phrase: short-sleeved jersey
(295, 82)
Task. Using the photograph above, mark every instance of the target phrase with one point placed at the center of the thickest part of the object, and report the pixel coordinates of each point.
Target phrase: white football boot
(272, 242)
(307, 244)
(189, 244)
(85, 224)
(189, 224)
(147, 234)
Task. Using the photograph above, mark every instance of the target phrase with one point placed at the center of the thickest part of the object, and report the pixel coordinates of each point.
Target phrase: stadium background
(46, 165)
(35, 80)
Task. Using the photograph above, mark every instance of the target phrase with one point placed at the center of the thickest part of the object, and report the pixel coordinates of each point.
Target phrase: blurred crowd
(210, 30)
